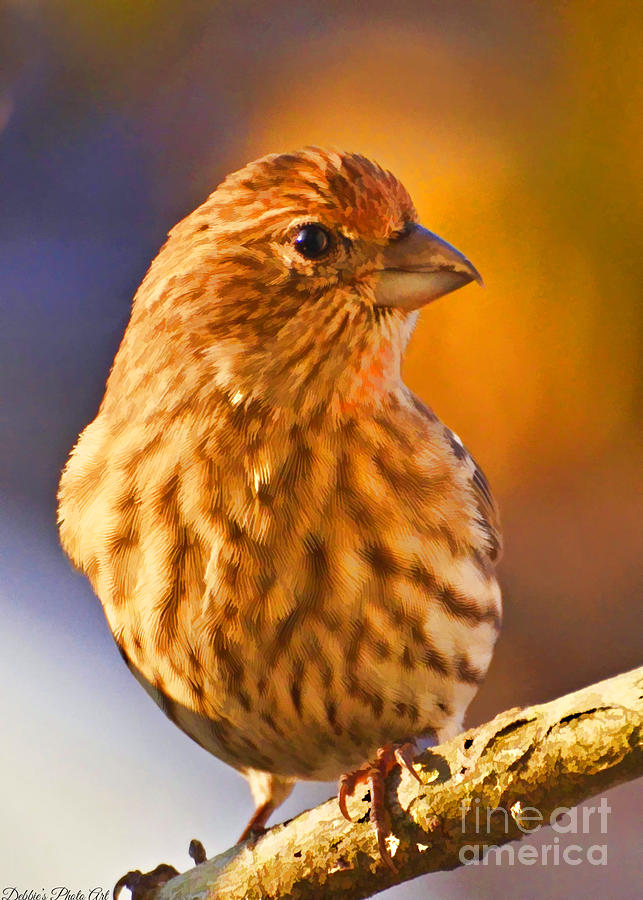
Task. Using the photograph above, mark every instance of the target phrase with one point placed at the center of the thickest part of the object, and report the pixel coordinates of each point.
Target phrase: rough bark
(548, 756)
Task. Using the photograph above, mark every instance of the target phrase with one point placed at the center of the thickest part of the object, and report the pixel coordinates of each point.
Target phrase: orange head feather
(233, 303)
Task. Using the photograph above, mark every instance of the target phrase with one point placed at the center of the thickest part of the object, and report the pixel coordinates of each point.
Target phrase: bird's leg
(257, 824)
(268, 791)
(372, 775)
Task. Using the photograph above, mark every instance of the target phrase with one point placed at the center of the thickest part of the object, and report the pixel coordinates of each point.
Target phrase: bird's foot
(144, 885)
(372, 775)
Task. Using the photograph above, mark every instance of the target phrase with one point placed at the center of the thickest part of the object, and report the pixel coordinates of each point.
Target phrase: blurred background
(517, 128)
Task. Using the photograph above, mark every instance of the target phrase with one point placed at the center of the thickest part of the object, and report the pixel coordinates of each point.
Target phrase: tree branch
(545, 757)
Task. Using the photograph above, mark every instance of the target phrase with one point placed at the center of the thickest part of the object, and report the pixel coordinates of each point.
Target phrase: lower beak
(419, 267)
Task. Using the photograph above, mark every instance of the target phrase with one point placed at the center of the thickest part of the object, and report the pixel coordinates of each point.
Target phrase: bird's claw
(404, 756)
(372, 775)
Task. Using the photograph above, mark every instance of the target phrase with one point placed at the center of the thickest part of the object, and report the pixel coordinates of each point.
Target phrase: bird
(295, 556)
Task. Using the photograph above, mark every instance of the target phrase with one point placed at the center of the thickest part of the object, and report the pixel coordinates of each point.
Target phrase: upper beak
(419, 267)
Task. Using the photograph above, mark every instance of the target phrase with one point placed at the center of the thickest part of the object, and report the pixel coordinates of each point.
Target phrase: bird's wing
(488, 516)
(487, 511)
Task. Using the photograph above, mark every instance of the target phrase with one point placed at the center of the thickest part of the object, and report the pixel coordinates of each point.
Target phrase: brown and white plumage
(294, 555)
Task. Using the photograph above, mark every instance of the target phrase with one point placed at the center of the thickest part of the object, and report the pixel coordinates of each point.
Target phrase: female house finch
(294, 555)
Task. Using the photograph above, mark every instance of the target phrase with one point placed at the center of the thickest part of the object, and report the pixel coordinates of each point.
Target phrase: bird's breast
(294, 602)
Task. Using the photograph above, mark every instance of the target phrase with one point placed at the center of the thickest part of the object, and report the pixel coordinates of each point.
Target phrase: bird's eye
(312, 241)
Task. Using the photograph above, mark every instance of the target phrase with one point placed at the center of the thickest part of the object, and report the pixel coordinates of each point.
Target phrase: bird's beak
(419, 267)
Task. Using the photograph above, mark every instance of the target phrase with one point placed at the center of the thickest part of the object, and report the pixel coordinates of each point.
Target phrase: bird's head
(297, 282)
